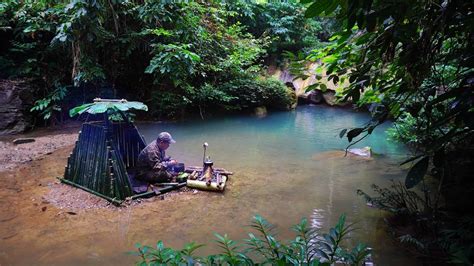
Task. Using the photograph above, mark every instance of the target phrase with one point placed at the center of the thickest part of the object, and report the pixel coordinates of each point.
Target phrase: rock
(260, 111)
(330, 97)
(363, 152)
(314, 97)
(15, 104)
(374, 106)
(23, 140)
(294, 99)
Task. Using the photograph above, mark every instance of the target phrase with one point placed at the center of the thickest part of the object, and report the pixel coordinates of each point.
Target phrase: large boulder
(300, 85)
(15, 103)
(330, 97)
(314, 97)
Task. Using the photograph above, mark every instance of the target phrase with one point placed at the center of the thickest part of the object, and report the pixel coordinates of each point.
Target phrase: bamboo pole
(213, 186)
(80, 157)
(222, 171)
(87, 154)
(98, 161)
(158, 191)
(167, 184)
(113, 200)
(74, 160)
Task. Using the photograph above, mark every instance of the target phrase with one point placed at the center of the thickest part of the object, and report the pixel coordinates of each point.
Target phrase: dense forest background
(411, 61)
(174, 57)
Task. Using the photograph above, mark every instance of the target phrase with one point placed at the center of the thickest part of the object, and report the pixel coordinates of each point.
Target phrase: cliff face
(15, 103)
(300, 85)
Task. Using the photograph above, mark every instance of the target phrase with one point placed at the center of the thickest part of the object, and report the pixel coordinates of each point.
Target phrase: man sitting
(152, 163)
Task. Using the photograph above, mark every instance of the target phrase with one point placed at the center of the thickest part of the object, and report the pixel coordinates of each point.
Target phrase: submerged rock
(363, 152)
(260, 111)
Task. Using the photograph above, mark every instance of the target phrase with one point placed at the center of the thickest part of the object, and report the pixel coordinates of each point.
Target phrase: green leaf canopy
(101, 106)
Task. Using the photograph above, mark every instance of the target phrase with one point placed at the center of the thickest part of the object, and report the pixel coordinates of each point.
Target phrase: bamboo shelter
(106, 151)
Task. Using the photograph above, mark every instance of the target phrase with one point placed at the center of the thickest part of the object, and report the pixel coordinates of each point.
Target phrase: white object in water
(364, 152)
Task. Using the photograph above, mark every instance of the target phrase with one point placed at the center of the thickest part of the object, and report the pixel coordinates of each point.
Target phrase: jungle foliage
(173, 56)
(413, 61)
(310, 247)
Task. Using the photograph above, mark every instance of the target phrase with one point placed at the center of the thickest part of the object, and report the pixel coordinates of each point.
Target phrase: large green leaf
(137, 105)
(103, 106)
(318, 7)
(417, 172)
(79, 109)
(98, 108)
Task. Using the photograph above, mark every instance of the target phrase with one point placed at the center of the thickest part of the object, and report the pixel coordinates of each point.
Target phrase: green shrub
(279, 96)
(165, 104)
(404, 130)
(247, 91)
(308, 248)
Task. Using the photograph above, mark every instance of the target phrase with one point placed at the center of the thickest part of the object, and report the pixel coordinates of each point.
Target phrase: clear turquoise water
(287, 165)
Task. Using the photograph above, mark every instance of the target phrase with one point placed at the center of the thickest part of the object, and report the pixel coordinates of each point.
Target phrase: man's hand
(172, 162)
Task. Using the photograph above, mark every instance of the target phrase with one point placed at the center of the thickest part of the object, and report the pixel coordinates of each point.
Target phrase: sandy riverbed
(45, 222)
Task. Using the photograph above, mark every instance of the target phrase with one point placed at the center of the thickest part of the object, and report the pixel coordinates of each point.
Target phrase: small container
(182, 177)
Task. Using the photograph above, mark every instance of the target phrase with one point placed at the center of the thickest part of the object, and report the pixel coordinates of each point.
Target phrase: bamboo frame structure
(103, 154)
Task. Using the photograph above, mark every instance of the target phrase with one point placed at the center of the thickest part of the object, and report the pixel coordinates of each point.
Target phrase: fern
(412, 241)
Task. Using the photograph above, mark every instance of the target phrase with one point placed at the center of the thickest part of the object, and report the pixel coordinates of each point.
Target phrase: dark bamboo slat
(101, 157)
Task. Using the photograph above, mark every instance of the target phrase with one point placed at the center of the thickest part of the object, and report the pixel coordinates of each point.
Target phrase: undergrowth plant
(309, 247)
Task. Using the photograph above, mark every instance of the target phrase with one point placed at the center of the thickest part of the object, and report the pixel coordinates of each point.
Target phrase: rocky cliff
(15, 103)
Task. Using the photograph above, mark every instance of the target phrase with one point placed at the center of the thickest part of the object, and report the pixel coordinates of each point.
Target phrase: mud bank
(44, 222)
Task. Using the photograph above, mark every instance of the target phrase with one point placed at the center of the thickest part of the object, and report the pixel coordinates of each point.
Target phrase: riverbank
(12, 156)
(49, 146)
(21, 169)
(45, 222)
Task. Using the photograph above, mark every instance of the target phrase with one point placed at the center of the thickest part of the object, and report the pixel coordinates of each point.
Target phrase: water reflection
(317, 219)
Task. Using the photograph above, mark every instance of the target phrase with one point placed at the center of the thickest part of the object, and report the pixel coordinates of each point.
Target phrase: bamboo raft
(216, 181)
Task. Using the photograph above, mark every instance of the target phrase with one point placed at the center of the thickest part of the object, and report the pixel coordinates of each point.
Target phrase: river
(287, 165)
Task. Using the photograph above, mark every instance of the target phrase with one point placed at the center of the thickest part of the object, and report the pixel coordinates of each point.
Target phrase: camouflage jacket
(152, 158)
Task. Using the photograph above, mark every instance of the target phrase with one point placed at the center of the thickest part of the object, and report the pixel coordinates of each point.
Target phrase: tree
(409, 57)
(414, 59)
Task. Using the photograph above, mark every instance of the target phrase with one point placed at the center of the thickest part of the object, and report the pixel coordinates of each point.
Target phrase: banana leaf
(103, 106)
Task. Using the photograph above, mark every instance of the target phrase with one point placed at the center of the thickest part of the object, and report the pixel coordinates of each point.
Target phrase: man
(152, 163)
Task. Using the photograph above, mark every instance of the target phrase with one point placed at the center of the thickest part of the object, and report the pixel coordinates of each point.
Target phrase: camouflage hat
(166, 137)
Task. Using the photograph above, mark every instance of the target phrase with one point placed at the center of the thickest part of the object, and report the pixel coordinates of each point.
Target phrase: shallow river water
(287, 165)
